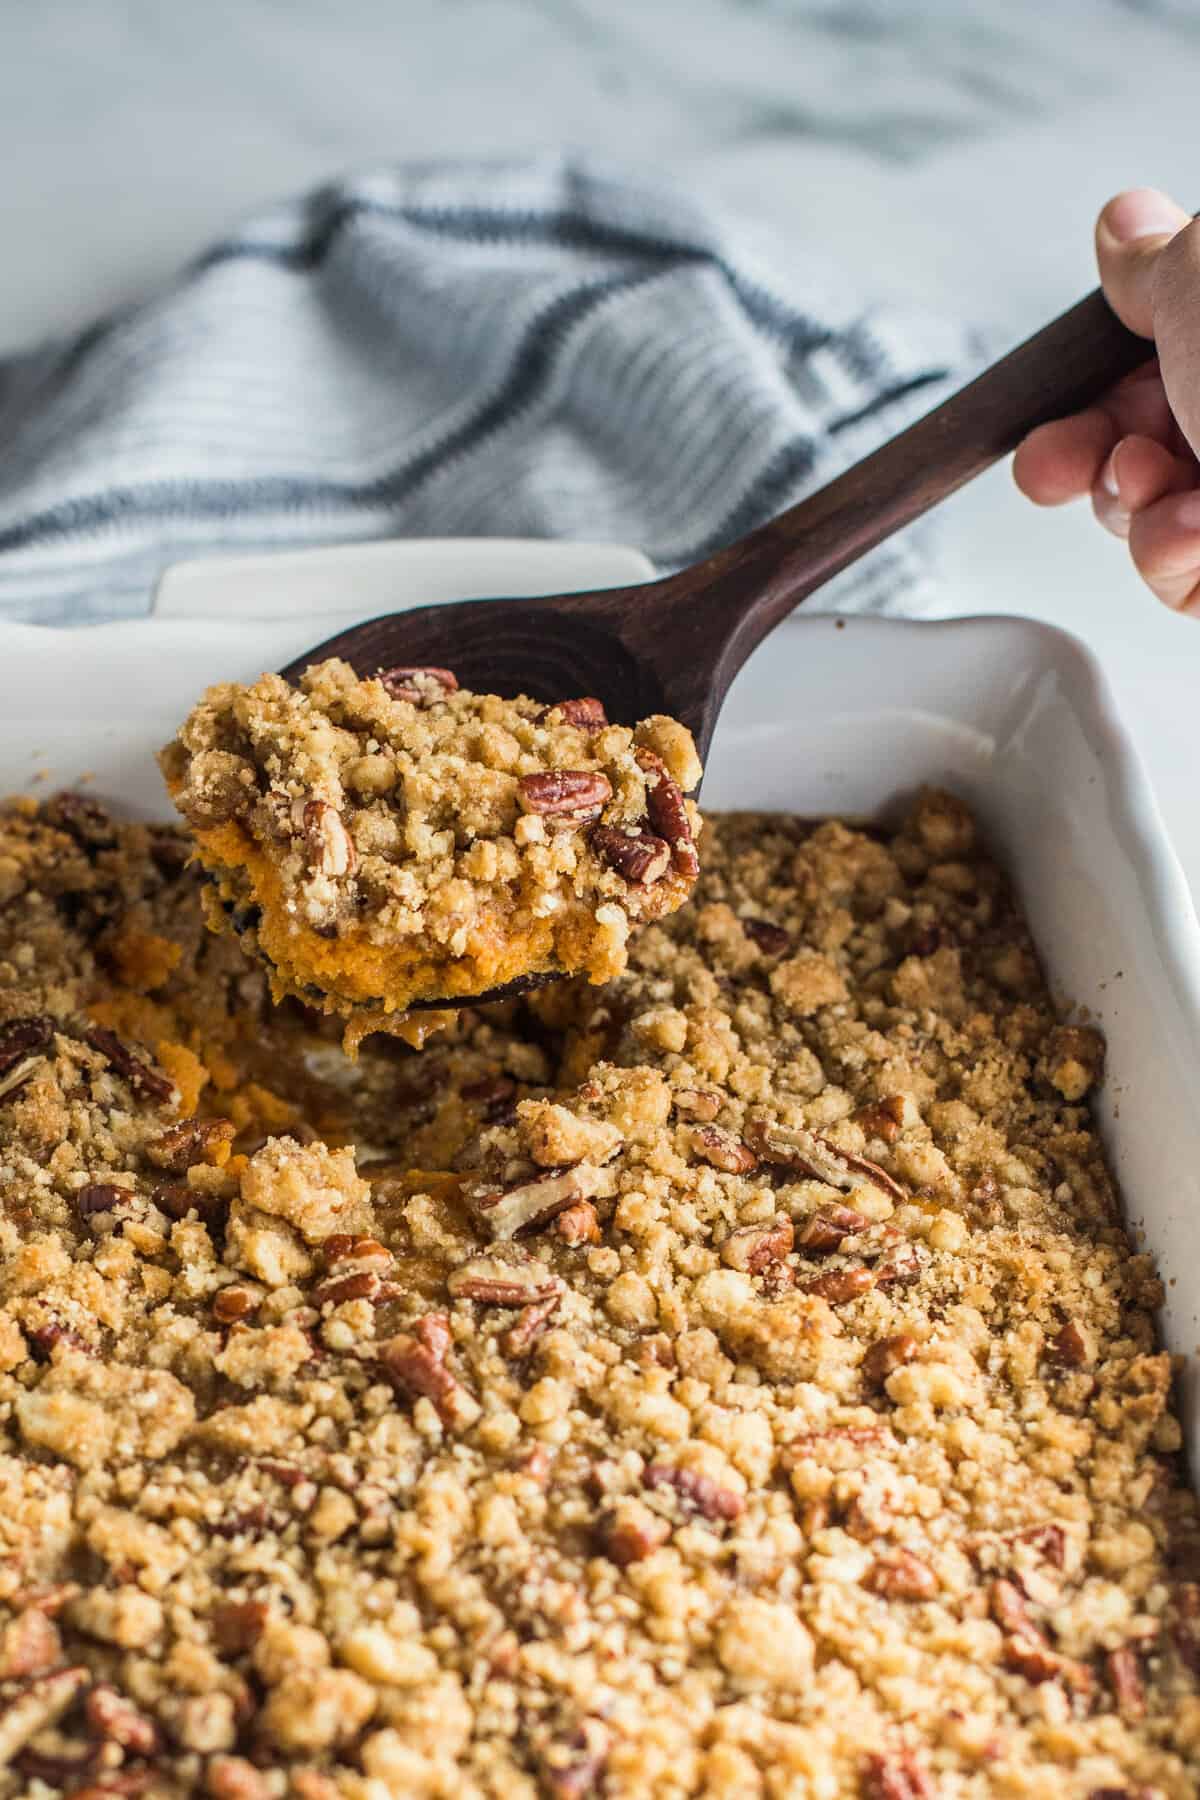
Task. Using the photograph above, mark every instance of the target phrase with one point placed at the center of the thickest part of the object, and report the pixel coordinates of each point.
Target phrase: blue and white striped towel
(545, 348)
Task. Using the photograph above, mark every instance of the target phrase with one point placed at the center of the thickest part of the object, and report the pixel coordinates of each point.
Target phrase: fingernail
(1187, 511)
(1143, 212)
(1108, 477)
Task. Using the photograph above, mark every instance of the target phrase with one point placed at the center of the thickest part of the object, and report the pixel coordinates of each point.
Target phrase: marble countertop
(949, 152)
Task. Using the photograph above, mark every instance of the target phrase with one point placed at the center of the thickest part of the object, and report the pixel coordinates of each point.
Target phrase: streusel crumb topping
(734, 1383)
(397, 840)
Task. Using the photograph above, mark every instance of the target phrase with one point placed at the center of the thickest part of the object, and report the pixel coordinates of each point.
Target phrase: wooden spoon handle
(1067, 365)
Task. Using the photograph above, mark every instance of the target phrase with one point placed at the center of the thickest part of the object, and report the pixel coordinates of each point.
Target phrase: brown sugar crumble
(397, 840)
(735, 1381)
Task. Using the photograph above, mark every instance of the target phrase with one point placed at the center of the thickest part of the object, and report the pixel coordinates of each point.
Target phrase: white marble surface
(949, 151)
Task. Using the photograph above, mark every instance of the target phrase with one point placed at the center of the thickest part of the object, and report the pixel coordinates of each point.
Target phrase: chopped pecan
(233, 1778)
(146, 1082)
(587, 713)
(631, 1532)
(529, 1325)
(571, 1768)
(122, 1782)
(899, 1575)
(191, 1141)
(113, 1716)
(493, 1094)
(723, 1150)
(359, 1284)
(14, 1079)
(493, 1282)
(341, 1247)
(840, 1285)
(19, 1037)
(329, 845)
(417, 684)
(238, 1624)
(886, 1355)
(1125, 1678)
(30, 1645)
(640, 859)
(882, 1118)
(58, 1770)
(416, 1365)
(578, 1224)
(1006, 1604)
(237, 1301)
(926, 940)
(577, 795)
(697, 1493)
(772, 940)
(697, 1103)
(1033, 1658)
(37, 1705)
(754, 1247)
(100, 1197)
(536, 1202)
(901, 1271)
(894, 1778)
(794, 1147)
(1185, 1631)
(177, 1200)
(1074, 1347)
(824, 1230)
(667, 813)
(48, 1600)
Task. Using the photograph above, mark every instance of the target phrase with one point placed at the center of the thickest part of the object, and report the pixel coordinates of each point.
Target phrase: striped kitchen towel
(550, 347)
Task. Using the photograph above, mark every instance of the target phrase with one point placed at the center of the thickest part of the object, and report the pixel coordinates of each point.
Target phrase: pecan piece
(177, 1200)
(1074, 1347)
(1125, 1678)
(587, 713)
(794, 1147)
(30, 1645)
(886, 1355)
(238, 1624)
(367, 1252)
(44, 1338)
(697, 1493)
(146, 1082)
(82, 818)
(416, 1365)
(100, 1197)
(753, 1248)
(123, 1782)
(1033, 1658)
(37, 1705)
(329, 845)
(630, 1532)
(237, 1301)
(840, 1285)
(1185, 1631)
(418, 684)
(493, 1282)
(894, 1778)
(824, 1230)
(667, 813)
(112, 1716)
(19, 1037)
(493, 1094)
(233, 1778)
(534, 1203)
(899, 1575)
(901, 1271)
(14, 1079)
(772, 940)
(697, 1103)
(530, 1323)
(359, 1284)
(574, 795)
(926, 940)
(882, 1118)
(640, 860)
(191, 1141)
(579, 1224)
(722, 1150)
(1006, 1603)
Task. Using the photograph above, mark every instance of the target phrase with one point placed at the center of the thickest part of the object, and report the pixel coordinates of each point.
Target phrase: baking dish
(829, 716)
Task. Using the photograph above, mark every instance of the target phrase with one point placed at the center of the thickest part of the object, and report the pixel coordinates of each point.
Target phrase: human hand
(1136, 453)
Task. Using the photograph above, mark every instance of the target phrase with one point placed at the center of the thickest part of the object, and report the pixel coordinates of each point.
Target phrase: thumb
(1176, 307)
(1130, 235)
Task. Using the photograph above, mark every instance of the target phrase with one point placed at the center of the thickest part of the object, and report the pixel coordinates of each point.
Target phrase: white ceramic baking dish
(829, 716)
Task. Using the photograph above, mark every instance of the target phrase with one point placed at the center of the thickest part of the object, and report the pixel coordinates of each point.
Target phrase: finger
(1164, 542)
(1139, 472)
(1130, 234)
(1176, 285)
(1060, 461)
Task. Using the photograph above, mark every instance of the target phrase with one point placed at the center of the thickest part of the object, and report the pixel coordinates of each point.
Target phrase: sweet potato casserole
(731, 1381)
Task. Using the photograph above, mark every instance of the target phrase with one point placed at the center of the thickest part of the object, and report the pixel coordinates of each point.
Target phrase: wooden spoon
(674, 645)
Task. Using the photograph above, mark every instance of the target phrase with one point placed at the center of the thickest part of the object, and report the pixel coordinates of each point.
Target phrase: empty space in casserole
(734, 1381)
(397, 840)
